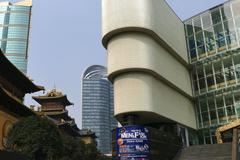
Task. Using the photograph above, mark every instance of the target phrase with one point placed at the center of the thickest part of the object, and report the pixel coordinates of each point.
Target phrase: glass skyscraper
(97, 106)
(14, 32)
(213, 39)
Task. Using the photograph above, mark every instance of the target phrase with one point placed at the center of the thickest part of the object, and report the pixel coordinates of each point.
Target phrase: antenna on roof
(54, 86)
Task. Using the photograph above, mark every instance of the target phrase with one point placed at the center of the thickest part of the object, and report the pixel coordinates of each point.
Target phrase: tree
(39, 139)
(73, 148)
(91, 152)
(36, 137)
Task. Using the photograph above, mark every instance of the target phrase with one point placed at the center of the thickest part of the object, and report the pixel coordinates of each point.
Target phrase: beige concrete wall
(149, 16)
(140, 92)
(147, 61)
(24, 3)
(138, 51)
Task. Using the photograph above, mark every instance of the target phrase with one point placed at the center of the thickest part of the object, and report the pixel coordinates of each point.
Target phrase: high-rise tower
(97, 106)
(14, 31)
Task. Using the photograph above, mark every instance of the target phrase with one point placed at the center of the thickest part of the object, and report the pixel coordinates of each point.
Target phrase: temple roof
(59, 115)
(53, 96)
(16, 77)
(71, 129)
(13, 105)
(87, 133)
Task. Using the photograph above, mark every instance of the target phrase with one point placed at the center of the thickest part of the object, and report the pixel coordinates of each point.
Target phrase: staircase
(206, 152)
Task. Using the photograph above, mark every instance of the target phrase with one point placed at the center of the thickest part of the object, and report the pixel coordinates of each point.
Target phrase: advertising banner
(132, 143)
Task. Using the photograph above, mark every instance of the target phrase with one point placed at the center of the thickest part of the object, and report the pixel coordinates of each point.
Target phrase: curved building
(147, 62)
(97, 106)
(14, 31)
(166, 71)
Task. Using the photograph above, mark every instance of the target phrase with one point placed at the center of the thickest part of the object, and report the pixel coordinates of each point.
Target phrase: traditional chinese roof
(69, 128)
(53, 96)
(59, 115)
(87, 133)
(16, 77)
(13, 105)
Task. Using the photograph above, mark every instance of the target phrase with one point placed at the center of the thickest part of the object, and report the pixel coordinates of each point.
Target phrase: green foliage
(39, 139)
(73, 148)
(36, 137)
(104, 158)
(91, 152)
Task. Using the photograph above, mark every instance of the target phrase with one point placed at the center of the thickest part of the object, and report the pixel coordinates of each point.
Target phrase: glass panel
(226, 12)
(229, 26)
(197, 24)
(228, 100)
(203, 105)
(219, 74)
(201, 77)
(237, 22)
(229, 72)
(189, 28)
(219, 35)
(206, 19)
(191, 42)
(211, 103)
(199, 39)
(209, 40)
(236, 8)
(205, 119)
(213, 116)
(219, 101)
(210, 77)
(216, 17)
(195, 87)
(222, 116)
(236, 60)
(237, 102)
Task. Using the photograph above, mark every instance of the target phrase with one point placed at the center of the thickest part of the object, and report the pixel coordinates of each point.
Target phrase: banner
(132, 143)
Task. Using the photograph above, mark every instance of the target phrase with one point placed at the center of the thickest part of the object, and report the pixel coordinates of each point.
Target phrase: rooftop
(9, 72)
(53, 96)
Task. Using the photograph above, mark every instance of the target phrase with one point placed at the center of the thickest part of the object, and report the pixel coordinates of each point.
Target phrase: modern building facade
(14, 31)
(97, 106)
(148, 64)
(166, 71)
(213, 40)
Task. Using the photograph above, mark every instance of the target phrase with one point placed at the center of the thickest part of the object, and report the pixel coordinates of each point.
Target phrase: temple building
(53, 106)
(13, 87)
(88, 137)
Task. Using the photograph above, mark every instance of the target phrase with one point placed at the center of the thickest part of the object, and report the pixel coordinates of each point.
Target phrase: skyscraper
(97, 106)
(14, 31)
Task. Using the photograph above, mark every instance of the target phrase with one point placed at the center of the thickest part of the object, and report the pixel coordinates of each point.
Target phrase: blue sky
(65, 39)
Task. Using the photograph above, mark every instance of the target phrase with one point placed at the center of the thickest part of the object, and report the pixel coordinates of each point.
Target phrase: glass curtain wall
(213, 44)
(14, 33)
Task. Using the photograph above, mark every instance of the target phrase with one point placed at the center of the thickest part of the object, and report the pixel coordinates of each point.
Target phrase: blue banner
(132, 143)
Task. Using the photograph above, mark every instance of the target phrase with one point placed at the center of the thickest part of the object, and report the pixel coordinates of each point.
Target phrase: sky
(65, 39)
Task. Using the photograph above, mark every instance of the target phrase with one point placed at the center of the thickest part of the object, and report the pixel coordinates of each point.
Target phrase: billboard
(132, 143)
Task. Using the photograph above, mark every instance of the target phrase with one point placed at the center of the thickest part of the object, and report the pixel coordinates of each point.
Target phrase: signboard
(132, 143)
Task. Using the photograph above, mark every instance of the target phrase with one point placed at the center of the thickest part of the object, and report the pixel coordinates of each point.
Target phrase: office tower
(214, 53)
(165, 71)
(14, 31)
(97, 106)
